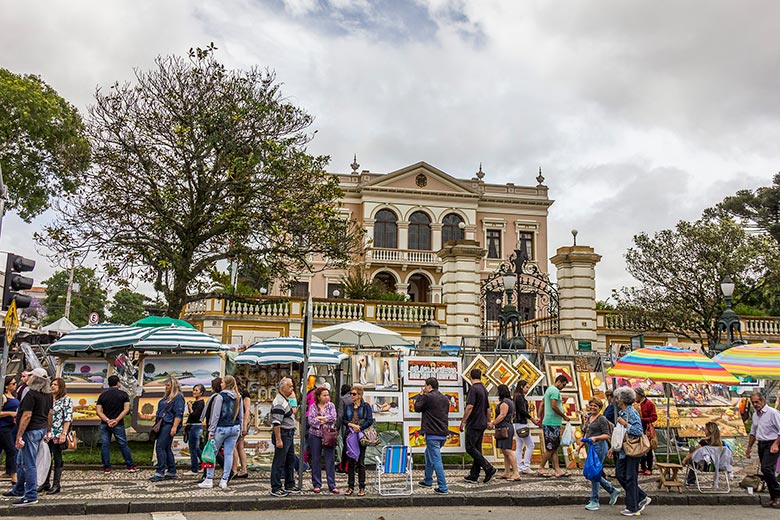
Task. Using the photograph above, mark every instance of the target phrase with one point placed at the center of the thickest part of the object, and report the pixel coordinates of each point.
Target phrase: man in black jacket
(435, 409)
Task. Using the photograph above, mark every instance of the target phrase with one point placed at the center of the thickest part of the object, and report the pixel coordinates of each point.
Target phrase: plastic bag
(567, 437)
(618, 434)
(42, 462)
(353, 445)
(593, 464)
(209, 456)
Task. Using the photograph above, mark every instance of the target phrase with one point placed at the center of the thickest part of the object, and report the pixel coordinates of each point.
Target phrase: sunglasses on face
(353, 393)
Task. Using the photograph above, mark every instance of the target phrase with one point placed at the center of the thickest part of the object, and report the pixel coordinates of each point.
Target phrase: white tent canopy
(61, 326)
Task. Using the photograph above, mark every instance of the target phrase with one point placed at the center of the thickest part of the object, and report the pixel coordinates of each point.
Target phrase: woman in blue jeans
(194, 426)
(322, 412)
(598, 430)
(224, 428)
(171, 409)
(627, 468)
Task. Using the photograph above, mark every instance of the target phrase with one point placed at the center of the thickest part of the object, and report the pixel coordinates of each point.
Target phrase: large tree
(196, 163)
(43, 150)
(128, 307)
(89, 298)
(680, 271)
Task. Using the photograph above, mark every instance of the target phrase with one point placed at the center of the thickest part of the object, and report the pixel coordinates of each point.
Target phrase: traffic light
(14, 281)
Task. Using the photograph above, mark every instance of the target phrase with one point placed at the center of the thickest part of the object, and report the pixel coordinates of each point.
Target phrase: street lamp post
(728, 322)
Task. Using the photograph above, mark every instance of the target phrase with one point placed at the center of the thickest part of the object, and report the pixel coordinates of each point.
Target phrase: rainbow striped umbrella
(759, 361)
(670, 364)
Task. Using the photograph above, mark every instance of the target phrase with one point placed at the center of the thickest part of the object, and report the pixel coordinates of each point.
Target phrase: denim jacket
(365, 415)
(169, 413)
(634, 428)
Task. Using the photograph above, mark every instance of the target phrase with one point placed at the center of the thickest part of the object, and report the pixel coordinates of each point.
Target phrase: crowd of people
(37, 410)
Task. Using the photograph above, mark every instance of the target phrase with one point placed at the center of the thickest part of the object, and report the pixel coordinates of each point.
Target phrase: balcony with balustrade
(403, 257)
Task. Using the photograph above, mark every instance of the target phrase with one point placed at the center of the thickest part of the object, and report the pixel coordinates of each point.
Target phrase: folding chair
(394, 471)
(709, 465)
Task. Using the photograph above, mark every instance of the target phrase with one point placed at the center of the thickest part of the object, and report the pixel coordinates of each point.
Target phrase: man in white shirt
(766, 429)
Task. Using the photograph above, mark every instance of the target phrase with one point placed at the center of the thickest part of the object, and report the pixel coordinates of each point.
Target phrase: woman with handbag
(8, 426)
(61, 420)
(239, 458)
(627, 467)
(322, 439)
(598, 429)
(357, 418)
(648, 414)
(504, 434)
(170, 412)
(227, 415)
(522, 428)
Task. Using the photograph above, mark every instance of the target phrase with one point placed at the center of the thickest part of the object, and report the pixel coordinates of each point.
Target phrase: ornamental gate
(531, 312)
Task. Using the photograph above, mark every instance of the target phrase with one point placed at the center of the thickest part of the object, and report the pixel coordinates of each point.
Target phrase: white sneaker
(223, 484)
(206, 484)
(644, 503)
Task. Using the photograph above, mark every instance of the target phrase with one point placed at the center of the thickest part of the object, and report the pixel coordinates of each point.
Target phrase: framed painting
(535, 404)
(386, 373)
(484, 365)
(84, 372)
(537, 453)
(570, 404)
(527, 371)
(364, 370)
(190, 370)
(674, 414)
(489, 446)
(386, 406)
(564, 368)
(502, 373)
(598, 385)
(446, 370)
(455, 396)
(414, 438)
(586, 393)
(85, 407)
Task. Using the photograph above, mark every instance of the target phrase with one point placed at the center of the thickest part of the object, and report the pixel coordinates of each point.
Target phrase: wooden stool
(669, 476)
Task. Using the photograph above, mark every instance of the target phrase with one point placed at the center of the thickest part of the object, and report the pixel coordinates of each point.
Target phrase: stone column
(460, 283)
(577, 292)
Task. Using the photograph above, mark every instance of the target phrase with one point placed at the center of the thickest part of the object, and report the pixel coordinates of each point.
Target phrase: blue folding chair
(394, 471)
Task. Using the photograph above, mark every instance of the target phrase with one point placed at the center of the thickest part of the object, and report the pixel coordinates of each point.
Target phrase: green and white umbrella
(177, 338)
(101, 337)
(288, 350)
(161, 321)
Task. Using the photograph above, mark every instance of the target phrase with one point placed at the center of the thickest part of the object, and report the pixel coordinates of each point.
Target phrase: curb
(106, 508)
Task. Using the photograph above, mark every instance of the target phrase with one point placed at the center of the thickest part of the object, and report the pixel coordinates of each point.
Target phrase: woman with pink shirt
(321, 412)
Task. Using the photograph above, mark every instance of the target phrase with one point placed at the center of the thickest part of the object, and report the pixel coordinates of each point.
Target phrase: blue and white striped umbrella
(178, 338)
(288, 350)
(104, 336)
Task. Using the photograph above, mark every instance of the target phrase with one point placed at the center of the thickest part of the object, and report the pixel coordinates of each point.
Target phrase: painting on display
(586, 392)
(482, 364)
(674, 414)
(598, 386)
(386, 406)
(527, 371)
(651, 388)
(535, 404)
(502, 373)
(701, 395)
(145, 410)
(85, 372)
(414, 438)
(262, 413)
(85, 407)
(259, 449)
(489, 446)
(386, 373)
(364, 370)
(446, 370)
(565, 368)
(536, 454)
(570, 404)
(693, 419)
(455, 396)
(189, 370)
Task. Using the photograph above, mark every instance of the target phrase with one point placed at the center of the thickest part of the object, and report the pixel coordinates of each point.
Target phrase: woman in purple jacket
(321, 412)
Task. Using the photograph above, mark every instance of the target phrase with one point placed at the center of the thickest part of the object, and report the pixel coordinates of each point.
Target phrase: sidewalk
(92, 492)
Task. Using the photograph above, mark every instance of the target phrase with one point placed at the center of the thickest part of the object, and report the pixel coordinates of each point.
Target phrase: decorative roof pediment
(420, 176)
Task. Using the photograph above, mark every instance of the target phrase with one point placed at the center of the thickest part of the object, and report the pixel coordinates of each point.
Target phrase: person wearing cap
(649, 415)
(34, 421)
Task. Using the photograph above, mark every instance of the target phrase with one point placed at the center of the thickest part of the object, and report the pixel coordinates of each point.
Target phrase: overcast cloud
(640, 113)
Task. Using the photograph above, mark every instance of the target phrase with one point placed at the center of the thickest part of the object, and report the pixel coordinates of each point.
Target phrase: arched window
(450, 229)
(386, 280)
(386, 229)
(420, 231)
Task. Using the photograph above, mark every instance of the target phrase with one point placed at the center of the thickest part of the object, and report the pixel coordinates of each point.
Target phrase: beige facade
(409, 213)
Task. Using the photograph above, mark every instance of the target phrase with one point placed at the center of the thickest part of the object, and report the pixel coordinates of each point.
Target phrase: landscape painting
(189, 370)
(85, 372)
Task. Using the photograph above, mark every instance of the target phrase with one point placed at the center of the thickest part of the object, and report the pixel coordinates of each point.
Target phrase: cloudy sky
(640, 113)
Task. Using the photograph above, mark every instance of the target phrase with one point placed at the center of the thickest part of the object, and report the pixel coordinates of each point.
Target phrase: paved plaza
(92, 492)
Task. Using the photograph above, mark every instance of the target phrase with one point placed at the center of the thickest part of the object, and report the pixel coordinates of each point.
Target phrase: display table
(669, 476)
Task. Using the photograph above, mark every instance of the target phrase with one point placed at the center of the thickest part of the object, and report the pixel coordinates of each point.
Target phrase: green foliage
(43, 150)
(761, 207)
(604, 305)
(89, 298)
(680, 271)
(357, 285)
(128, 307)
(196, 163)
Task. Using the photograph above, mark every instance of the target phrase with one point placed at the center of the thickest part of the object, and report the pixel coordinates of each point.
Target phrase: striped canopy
(670, 364)
(288, 350)
(759, 361)
(104, 336)
(177, 338)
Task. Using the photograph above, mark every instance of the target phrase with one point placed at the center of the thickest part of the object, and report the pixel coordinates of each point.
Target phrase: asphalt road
(448, 513)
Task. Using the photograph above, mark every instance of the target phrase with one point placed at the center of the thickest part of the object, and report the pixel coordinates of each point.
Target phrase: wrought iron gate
(533, 306)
